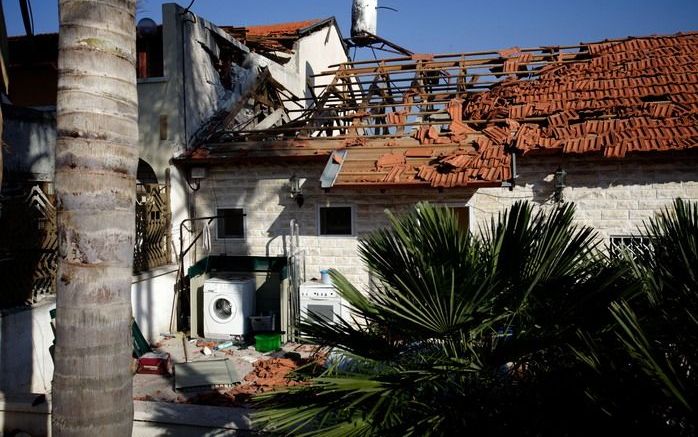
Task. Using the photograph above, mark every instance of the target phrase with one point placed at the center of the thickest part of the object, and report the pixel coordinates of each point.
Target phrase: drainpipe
(185, 19)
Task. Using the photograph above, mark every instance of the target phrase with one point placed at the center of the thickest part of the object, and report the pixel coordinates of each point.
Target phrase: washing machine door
(222, 309)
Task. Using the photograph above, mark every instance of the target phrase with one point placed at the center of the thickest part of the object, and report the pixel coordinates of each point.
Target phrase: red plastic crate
(155, 363)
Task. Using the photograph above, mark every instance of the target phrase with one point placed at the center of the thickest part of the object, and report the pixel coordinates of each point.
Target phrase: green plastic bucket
(267, 342)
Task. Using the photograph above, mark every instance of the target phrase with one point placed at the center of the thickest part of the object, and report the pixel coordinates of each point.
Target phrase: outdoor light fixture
(196, 174)
(296, 192)
(560, 176)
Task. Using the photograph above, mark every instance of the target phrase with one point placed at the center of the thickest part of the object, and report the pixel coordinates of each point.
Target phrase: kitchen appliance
(321, 299)
(229, 299)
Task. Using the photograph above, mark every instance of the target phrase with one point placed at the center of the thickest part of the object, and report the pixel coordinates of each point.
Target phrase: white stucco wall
(612, 196)
(163, 97)
(151, 299)
(316, 52)
(26, 365)
(29, 138)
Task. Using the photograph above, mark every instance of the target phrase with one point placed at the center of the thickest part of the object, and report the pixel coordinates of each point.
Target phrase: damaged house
(265, 151)
(611, 126)
(191, 74)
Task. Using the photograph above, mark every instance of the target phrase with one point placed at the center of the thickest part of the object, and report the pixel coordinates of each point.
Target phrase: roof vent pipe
(364, 18)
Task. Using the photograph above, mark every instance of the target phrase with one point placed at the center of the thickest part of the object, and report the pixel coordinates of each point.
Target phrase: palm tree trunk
(96, 159)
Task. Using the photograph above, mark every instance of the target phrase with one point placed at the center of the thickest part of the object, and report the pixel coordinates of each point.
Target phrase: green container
(267, 342)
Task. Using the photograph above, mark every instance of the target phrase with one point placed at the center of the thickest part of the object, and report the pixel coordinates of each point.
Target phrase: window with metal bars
(635, 245)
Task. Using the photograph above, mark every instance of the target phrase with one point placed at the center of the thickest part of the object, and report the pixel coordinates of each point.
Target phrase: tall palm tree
(96, 158)
(463, 333)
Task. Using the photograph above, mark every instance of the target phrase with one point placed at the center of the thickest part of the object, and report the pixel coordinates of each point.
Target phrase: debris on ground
(205, 343)
(267, 375)
(308, 348)
(261, 372)
(225, 345)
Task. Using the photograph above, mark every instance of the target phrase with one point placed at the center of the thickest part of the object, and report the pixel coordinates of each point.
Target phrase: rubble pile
(267, 375)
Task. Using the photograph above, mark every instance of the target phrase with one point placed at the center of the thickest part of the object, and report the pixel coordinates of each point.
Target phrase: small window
(149, 59)
(231, 223)
(336, 220)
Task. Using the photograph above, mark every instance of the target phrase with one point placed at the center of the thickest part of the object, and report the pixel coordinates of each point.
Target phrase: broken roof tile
(609, 98)
(389, 160)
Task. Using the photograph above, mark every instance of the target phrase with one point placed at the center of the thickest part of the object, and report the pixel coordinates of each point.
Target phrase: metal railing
(153, 240)
(29, 242)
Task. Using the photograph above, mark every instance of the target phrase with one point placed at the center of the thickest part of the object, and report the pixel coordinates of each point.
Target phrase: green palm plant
(648, 358)
(461, 332)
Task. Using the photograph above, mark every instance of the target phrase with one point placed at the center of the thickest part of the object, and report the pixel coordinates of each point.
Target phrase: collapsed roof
(278, 37)
(456, 119)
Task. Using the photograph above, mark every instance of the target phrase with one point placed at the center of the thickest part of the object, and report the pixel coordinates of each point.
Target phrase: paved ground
(161, 388)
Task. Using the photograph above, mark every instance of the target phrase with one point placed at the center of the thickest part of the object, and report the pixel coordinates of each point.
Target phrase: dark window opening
(336, 220)
(462, 216)
(163, 127)
(145, 173)
(149, 61)
(231, 223)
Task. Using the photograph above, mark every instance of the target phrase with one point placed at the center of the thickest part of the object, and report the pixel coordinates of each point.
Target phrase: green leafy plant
(646, 360)
(460, 332)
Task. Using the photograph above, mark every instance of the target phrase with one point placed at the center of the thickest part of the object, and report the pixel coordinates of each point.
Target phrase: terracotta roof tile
(289, 28)
(611, 98)
(271, 37)
(634, 95)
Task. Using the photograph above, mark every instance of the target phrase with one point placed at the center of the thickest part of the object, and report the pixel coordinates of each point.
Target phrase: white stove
(321, 299)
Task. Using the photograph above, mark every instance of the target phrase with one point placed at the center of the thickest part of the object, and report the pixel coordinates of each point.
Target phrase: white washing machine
(229, 299)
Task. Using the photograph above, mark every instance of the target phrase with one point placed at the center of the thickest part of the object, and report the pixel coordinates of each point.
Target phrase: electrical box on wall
(198, 173)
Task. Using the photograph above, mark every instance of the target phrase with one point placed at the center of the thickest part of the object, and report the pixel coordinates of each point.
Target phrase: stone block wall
(613, 196)
(263, 193)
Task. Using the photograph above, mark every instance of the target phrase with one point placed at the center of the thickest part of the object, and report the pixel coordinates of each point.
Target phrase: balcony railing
(153, 242)
(29, 243)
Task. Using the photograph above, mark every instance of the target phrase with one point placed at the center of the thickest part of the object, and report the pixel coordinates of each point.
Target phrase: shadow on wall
(29, 136)
(595, 179)
(597, 172)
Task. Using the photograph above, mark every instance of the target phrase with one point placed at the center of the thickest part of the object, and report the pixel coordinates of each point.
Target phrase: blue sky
(438, 25)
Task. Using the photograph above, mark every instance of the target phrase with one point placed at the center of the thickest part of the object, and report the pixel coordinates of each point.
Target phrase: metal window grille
(28, 243)
(635, 245)
(153, 227)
